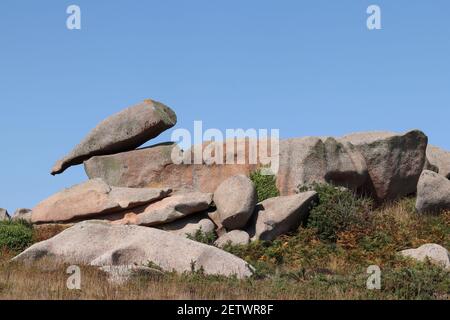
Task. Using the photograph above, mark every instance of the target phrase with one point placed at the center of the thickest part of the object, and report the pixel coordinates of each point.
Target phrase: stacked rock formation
(148, 204)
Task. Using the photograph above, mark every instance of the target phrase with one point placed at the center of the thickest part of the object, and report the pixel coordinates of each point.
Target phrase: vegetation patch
(266, 186)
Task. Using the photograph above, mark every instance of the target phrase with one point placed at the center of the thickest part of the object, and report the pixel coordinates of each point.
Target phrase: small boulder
(433, 252)
(123, 131)
(279, 215)
(190, 225)
(167, 210)
(23, 214)
(235, 199)
(433, 193)
(438, 160)
(234, 237)
(99, 243)
(92, 199)
(4, 216)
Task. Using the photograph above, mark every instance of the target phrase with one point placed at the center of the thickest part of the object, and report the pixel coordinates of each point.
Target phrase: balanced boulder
(235, 199)
(92, 199)
(234, 237)
(394, 161)
(438, 160)
(99, 243)
(167, 210)
(430, 251)
(4, 216)
(123, 131)
(279, 215)
(433, 193)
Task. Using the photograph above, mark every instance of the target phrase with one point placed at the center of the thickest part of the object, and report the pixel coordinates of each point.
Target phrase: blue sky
(304, 67)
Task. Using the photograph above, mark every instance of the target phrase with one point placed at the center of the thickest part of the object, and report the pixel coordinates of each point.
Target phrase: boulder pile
(139, 206)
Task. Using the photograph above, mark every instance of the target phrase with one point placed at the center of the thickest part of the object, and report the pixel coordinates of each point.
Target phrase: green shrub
(203, 237)
(338, 210)
(15, 236)
(265, 185)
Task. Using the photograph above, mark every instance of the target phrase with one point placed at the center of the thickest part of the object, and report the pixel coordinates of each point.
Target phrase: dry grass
(297, 266)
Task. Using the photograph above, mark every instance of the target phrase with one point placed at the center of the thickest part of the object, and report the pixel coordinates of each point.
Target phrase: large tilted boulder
(99, 243)
(433, 193)
(430, 251)
(190, 225)
(4, 216)
(279, 215)
(92, 199)
(438, 160)
(123, 131)
(235, 199)
(175, 207)
(394, 161)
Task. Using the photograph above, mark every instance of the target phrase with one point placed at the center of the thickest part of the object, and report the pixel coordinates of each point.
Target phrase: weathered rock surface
(190, 225)
(433, 252)
(22, 214)
(234, 237)
(99, 243)
(235, 199)
(92, 199)
(438, 160)
(121, 274)
(167, 210)
(123, 131)
(394, 161)
(279, 215)
(304, 161)
(4, 216)
(433, 193)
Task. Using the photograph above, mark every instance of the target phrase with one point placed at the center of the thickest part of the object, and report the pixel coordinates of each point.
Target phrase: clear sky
(304, 67)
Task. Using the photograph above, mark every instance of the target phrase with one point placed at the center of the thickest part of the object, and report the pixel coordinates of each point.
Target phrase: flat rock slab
(92, 199)
(190, 225)
(175, 207)
(279, 215)
(433, 193)
(123, 131)
(99, 243)
(431, 251)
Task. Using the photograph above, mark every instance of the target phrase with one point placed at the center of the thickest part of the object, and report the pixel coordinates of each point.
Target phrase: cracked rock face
(121, 132)
(100, 243)
(91, 200)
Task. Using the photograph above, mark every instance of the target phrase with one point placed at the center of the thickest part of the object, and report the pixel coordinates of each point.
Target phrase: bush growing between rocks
(203, 237)
(15, 235)
(338, 210)
(265, 185)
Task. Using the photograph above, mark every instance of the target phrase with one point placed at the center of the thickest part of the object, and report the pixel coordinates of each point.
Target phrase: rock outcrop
(100, 243)
(430, 251)
(277, 216)
(235, 200)
(92, 199)
(433, 193)
(123, 131)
